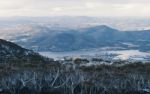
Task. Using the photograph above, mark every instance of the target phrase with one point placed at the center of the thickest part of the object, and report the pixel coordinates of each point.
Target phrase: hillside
(23, 71)
(10, 52)
(48, 39)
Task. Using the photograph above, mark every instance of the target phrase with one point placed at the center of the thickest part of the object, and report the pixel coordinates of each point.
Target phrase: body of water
(122, 54)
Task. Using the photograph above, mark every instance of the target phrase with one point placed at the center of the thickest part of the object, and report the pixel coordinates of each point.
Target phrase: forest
(74, 77)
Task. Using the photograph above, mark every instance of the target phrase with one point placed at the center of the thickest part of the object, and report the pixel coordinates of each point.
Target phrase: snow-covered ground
(127, 54)
(120, 54)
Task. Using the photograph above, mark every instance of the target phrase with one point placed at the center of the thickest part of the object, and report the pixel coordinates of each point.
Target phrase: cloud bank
(74, 7)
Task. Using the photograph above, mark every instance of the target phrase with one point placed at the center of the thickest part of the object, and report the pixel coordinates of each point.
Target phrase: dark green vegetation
(25, 72)
(10, 52)
(57, 78)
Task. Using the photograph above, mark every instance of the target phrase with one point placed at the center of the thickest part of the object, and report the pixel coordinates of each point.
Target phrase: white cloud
(57, 9)
(90, 5)
(75, 7)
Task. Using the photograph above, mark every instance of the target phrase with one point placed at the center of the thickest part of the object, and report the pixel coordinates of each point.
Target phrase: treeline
(60, 77)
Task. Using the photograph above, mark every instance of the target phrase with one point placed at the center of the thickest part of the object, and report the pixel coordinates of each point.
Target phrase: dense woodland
(23, 71)
(74, 77)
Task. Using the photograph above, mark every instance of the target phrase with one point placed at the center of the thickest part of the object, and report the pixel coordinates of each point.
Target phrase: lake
(122, 54)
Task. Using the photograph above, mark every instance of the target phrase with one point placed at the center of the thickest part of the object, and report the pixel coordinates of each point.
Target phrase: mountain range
(86, 38)
(75, 33)
(120, 23)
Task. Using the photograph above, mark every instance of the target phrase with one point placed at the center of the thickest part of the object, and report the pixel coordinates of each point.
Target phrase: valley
(81, 56)
(31, 73)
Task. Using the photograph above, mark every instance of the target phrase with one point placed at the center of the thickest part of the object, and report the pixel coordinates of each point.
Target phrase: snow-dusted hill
(12, 52)
(75, 33)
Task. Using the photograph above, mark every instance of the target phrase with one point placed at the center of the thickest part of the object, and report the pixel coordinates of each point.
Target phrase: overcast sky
(74, 7)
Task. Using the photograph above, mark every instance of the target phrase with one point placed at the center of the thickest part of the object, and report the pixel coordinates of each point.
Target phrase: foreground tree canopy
(62, 77)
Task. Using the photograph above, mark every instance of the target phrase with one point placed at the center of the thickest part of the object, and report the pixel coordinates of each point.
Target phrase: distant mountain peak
(101, 28)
